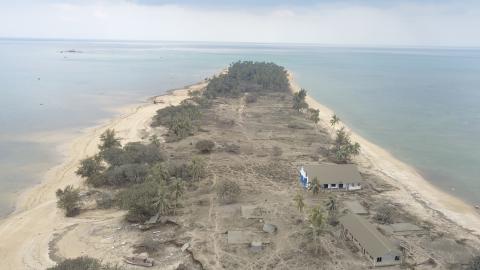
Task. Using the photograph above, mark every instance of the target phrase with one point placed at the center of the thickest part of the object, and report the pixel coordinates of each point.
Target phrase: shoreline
(27, 231)
(415, 192)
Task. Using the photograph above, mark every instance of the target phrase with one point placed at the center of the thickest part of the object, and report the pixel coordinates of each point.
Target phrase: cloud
(401, 23)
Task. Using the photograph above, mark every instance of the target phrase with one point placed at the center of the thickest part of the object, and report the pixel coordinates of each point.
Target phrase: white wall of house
(389, 259)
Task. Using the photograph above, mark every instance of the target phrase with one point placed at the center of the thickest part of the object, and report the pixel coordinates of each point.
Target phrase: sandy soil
(413, 190)
(26, 233)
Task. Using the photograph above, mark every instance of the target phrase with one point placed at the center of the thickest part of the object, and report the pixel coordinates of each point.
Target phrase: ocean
(420, 104)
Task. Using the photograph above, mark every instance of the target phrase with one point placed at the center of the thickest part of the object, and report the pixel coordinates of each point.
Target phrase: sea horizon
(362, 85)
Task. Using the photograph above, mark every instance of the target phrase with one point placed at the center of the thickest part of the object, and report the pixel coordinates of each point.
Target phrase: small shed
(377, 248)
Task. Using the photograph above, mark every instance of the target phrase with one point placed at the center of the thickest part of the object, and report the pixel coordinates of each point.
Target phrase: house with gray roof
(376, 247)
(331, 176)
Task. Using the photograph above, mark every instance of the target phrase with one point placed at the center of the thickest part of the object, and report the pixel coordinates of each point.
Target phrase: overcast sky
(329, 22)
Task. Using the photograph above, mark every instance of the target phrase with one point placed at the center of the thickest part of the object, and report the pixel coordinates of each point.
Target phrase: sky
(454, 23)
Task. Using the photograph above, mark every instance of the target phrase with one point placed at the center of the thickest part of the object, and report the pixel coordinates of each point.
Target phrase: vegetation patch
(182, 120)
(84, 263)
(247, 76)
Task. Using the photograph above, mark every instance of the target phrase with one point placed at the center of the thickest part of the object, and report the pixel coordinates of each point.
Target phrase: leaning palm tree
(163, 201)
(331, 205)
(334, 120)
(317, 221)
(109, 140)
(299, 202)
(177, 188)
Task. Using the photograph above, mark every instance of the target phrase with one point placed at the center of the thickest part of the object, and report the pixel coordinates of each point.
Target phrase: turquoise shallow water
(420, 104)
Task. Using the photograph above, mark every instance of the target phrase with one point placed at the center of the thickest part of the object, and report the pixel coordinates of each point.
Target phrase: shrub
(251, 98)
(134, 152)
(385, 214)
(277, 151)
(228, 191)
(138, 152)
(140, 201)
(90, 166)
(298, 125)
(205, 146)
(197, 169)
(232, 148)
(165, 115)
(97, 180)
(109, 140)
(83, 263)
(68, 199)
(115, 156)
(178, 169)
(105, 201)
(474, 264)
(148, 244)
(127, 174)
(314, 115)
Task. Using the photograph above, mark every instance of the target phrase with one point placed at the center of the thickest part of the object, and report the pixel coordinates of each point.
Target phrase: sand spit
(25, 234)
(417, 194)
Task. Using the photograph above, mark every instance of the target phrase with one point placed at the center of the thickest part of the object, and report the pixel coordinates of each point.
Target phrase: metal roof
(368, 236)
(333, 173)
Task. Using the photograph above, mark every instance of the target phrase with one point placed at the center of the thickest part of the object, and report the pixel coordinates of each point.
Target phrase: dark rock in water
(71, 51)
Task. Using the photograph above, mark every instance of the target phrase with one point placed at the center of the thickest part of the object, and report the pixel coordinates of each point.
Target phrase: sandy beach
(26, 234)
(414, 192)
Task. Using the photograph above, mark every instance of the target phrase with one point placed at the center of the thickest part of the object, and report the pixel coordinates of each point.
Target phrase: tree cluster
(127, 165)
(152, 183)
(181, 120)
(344, 149)
(83, 263)
(248, 77)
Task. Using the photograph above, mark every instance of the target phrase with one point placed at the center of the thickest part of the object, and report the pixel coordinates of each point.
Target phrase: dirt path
(212, 216)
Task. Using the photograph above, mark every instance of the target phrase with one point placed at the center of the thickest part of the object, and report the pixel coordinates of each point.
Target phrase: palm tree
(355, 149)
(316, 220)
(332, 209)
(177, 188)
(334, 120)
(108, 140)
(155, 140)
(163, 201)
(197, 168)
(299, 202)
(299, 103)
(315, 186)
(314, 115)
